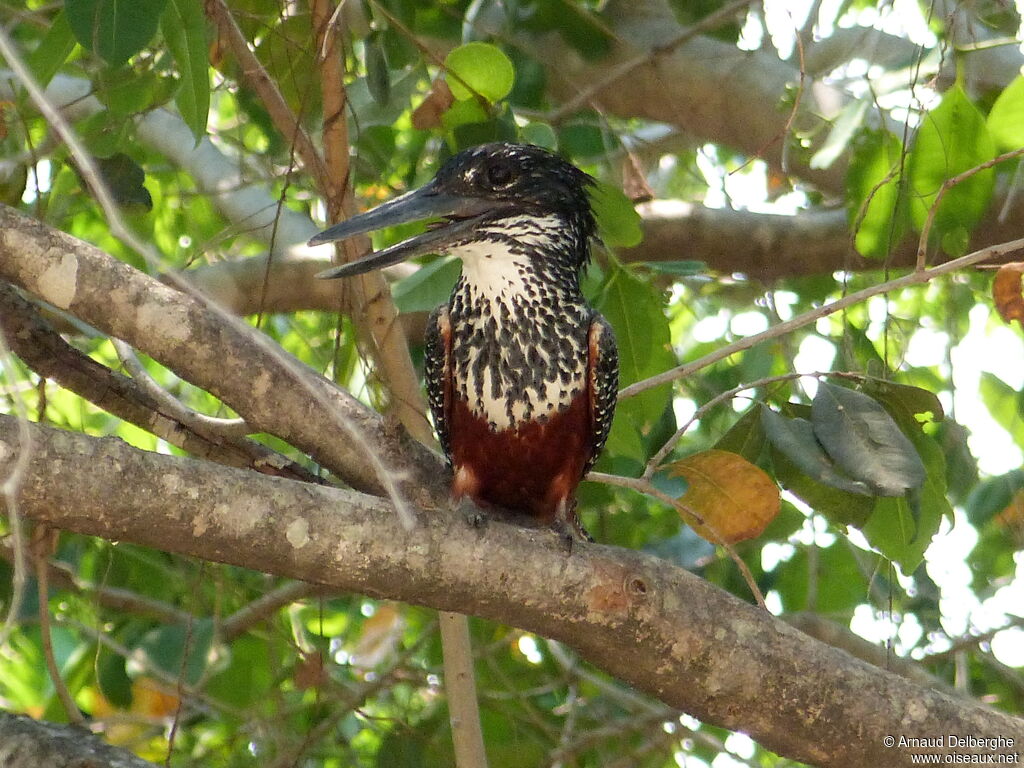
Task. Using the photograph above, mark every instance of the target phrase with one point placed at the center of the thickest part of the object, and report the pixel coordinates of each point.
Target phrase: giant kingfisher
(521, 372)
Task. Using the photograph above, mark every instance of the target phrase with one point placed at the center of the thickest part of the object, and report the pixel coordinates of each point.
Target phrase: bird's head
(475, 190)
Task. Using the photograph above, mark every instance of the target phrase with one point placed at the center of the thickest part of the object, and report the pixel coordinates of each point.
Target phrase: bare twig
(44, 539)
(184, 414)
(376, 311)
(241, 620)
(256, 76)
(10, 487)
(43, 350)
(460, 685)
(913, 278)
(948, 184)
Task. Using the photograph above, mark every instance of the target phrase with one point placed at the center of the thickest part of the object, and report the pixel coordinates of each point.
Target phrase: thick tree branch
(41, 348)
(655, 626)
(28, 743)
(225, 359)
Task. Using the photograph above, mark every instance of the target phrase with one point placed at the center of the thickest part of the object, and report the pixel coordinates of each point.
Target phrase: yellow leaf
(733, 497)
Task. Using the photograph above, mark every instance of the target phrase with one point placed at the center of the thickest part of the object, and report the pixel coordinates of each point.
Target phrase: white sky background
(990, 345)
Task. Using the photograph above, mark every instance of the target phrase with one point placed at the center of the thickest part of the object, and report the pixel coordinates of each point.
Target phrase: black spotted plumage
(521, 373)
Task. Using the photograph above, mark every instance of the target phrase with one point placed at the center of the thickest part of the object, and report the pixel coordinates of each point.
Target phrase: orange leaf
(1011, 518)
(733, 497)
(428, 114)
(1006, 292)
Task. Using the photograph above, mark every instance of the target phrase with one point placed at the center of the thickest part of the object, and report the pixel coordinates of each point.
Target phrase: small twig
(656, 460)
(184, 414)
(45, 351)
(709, 22)
(971, 641)
(948, 184)
(44, 540)
(460, 686)
(10, 487)
(811, 316)
(797, 98)
(256, 76)
(60, 574)
(252, 613)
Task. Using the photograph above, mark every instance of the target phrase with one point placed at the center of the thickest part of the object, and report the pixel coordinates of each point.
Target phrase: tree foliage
(847, 447)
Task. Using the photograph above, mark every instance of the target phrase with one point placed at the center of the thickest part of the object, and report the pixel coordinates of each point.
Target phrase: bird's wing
(437, 364)
(603, 383)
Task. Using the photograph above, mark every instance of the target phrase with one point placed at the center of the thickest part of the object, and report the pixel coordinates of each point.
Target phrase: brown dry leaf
(731, 495)
(1006, 292)
(428, 114)
(310, 672)
(634, 183)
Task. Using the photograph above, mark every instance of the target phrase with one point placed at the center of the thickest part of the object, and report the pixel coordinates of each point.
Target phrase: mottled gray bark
(657, 627)
(28, 743)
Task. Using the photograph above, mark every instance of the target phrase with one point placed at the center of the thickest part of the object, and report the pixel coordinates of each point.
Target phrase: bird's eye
(499, 175)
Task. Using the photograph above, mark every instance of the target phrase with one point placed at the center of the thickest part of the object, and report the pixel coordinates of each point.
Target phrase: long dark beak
(424, 203)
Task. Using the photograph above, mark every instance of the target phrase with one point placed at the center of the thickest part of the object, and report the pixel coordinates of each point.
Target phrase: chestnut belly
(530, 468)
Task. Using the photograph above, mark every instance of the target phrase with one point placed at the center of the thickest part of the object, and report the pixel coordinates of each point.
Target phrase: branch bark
(28, 743)
(225, 359)
(655, 626)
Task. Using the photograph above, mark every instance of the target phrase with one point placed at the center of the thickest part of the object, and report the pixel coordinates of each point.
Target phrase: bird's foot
(474, 516)
(568, 526)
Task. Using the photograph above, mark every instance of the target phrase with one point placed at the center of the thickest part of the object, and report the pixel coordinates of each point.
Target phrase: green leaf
(840, 582)
(675, 268)
(1006, 118)
(246, 676)
(893, 531)
(378, 79)
(841, 508)
(114, 30)
(952, 139)
(124, 178)
(479, 68)
(184, 30)
(618, 223)
(1004, 403)
(795, 438)
(53, 50)
(113, 680)
(463, 113)
(992, 496)
(897, 398)
(126, 91)
(634, 309)
(427, 287)
(843, 129)
(901, 529)
(540, 134)
(179, 650)
(876, 204)
(864, 441)
(746, 437)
